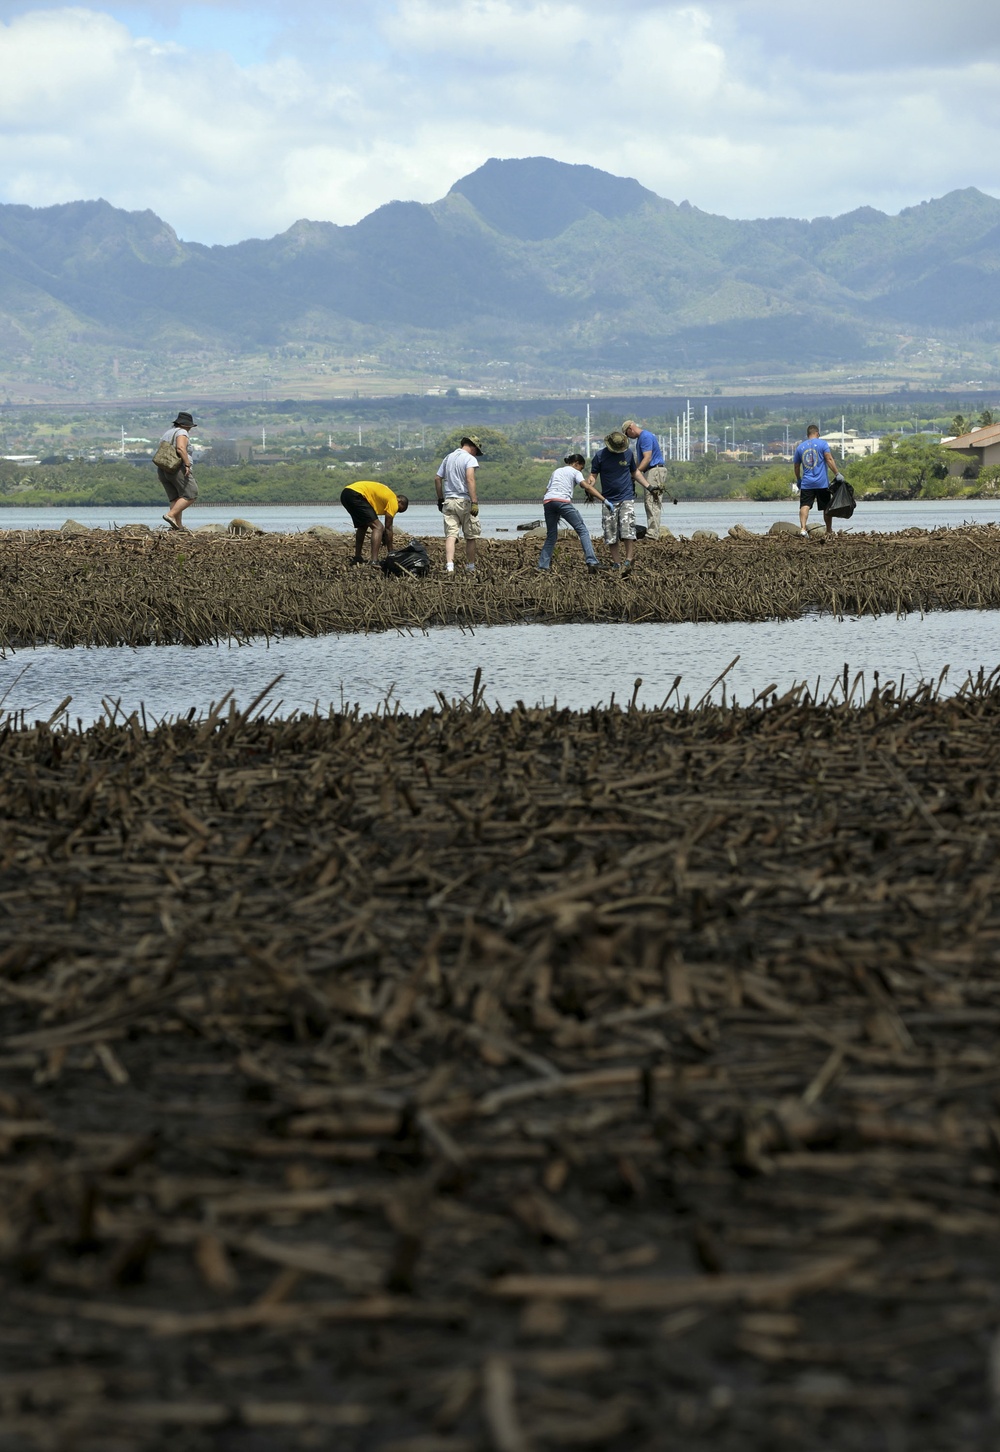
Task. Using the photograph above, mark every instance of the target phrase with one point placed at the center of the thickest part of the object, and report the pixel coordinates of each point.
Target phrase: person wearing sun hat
(455, 485)
(615, 468)
(178, 483)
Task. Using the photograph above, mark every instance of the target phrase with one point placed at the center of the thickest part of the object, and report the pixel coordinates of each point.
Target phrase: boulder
(244, 526)
(73, 526)
(815, 530)
(134, 529)
(705, 534)
(210, 529)
(783, 526)
(323, 531)
(739, 531)
(532, 524)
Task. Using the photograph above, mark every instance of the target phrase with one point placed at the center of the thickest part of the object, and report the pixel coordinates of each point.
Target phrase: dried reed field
(503, 1081)
(119, 588)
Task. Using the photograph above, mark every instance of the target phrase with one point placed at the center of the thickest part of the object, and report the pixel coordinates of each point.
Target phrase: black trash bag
(412, 559)
(640, 531)
(842, 500)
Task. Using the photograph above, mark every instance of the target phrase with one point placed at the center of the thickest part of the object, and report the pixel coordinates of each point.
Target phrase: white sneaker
(803, 534)
(450, 567)
(470, 569)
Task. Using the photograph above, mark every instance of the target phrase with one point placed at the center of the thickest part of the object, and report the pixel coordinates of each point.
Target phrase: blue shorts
(819, 497)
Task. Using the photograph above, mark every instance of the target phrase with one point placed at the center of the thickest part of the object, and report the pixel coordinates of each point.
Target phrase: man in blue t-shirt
(813, 463)
(649, 463)
(615, 468)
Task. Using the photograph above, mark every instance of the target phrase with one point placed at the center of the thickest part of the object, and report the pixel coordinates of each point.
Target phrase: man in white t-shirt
(455, 483)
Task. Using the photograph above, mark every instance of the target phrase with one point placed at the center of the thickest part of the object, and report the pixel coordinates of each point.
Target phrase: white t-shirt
(452, 473)
(561, 485)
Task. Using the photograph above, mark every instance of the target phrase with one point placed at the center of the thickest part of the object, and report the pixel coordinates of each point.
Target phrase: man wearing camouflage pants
(649, 463)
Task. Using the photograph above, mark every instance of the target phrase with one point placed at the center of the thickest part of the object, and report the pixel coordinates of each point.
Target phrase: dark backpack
(842, 500)
(412, 559)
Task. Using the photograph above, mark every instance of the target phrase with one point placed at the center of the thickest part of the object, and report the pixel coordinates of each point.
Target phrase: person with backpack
(559, 507)
(813, 464)
(364, 501)
(174, 468)
(615, 467)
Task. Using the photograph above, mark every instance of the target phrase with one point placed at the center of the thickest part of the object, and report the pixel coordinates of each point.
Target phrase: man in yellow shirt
(364, 502)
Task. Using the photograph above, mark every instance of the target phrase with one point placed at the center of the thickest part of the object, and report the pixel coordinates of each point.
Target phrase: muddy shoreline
(122, 588)
(502, 1080)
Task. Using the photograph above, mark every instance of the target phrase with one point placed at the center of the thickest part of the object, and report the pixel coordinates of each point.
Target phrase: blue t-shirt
(811, 455)
(615, 473)
(647, 442)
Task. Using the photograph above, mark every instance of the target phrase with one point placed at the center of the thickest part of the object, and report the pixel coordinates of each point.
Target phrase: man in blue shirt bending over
(813, 463)
(649, 463)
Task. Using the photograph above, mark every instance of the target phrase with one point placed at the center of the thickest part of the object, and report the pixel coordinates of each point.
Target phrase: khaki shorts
(178, 485)
(458, 519)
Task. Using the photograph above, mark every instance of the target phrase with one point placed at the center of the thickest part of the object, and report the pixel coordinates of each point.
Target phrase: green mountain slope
(529, 258)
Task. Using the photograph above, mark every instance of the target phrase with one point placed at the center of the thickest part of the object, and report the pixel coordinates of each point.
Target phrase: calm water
(499, 520)
(576, 665)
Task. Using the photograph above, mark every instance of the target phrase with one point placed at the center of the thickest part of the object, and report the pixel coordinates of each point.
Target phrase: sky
(234, 119)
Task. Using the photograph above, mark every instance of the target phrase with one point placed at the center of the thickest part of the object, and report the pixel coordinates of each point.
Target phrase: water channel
(573, 665)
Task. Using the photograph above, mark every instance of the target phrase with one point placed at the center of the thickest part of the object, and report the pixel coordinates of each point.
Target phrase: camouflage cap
(471, 439)
(616, 441)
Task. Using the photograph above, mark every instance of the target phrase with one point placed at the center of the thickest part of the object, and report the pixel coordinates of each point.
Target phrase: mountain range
(533, 259)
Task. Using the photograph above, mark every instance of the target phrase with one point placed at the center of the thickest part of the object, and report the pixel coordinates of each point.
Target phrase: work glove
(474, 510)
(839, 479)
(441, 505)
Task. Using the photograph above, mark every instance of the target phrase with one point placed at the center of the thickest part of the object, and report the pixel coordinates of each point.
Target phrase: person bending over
(364, 502)
(559, 507)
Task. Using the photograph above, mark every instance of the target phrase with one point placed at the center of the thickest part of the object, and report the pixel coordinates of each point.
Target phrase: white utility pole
(263, 437)
(123, 441)
(588, 433)
(359, 433)
(706, 430)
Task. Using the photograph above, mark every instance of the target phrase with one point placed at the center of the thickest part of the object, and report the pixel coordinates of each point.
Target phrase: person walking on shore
(558, 506)
(364, 502)
(455, 483)
(649, 463)
(177, 479)
(615, 468)
(813, 464)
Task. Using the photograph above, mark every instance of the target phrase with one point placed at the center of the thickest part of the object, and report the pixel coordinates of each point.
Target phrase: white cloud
(727, 105)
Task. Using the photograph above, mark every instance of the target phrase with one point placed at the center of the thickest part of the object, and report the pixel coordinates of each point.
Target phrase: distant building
(849, 445)
(980, 446)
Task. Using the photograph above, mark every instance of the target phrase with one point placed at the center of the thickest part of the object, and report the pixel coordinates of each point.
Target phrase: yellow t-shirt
(379, 496)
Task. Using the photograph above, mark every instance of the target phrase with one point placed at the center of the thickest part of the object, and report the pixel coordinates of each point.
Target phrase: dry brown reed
(617, 1079)
(117, 589)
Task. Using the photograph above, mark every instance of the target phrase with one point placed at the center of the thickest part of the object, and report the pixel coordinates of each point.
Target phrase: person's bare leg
(378, 531)
(629, 550)
(828, 521)
(449, 549)
(803, 515)
(470, 554)
(177, 509)
(359, 544)
(613, 551)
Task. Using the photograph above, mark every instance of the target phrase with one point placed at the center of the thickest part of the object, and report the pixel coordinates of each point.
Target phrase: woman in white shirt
(559, 508)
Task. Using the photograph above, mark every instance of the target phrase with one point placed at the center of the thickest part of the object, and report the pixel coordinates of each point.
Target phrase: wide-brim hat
(184, 421)
(616, 441)
(471, 439)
